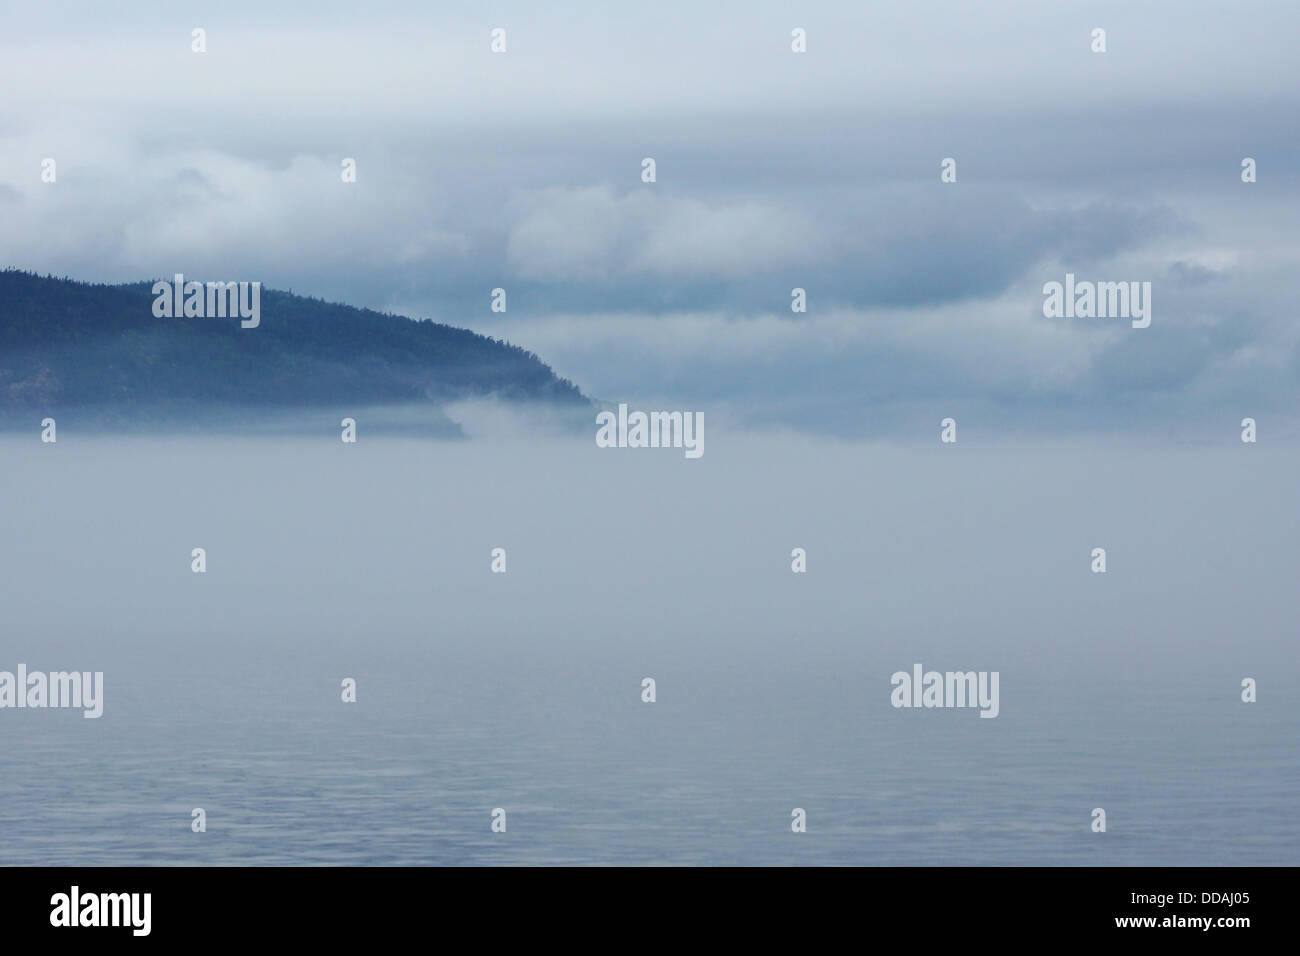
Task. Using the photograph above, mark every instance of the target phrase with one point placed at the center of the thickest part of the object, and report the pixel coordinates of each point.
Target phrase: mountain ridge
(97, 347)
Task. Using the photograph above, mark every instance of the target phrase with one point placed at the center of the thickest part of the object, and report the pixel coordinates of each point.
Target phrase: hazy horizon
(775, 170)
(522, 690)
(965, 334)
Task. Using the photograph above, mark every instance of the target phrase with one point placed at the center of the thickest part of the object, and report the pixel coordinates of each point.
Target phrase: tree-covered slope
(66, 344)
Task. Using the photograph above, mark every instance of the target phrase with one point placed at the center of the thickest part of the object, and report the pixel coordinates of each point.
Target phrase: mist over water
(522, 690)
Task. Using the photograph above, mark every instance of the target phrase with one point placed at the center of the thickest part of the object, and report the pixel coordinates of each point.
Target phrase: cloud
(590, 232)
(775, 171)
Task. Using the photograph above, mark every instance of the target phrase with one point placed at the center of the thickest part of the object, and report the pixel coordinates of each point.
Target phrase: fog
(315, 544)
(373, 561)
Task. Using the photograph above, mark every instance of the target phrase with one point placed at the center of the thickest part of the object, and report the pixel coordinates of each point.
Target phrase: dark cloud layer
(775, 171)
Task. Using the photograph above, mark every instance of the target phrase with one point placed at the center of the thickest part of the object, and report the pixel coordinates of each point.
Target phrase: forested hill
(74, 345)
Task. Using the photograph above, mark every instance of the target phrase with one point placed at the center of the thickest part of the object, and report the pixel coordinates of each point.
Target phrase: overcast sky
(774, 170)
